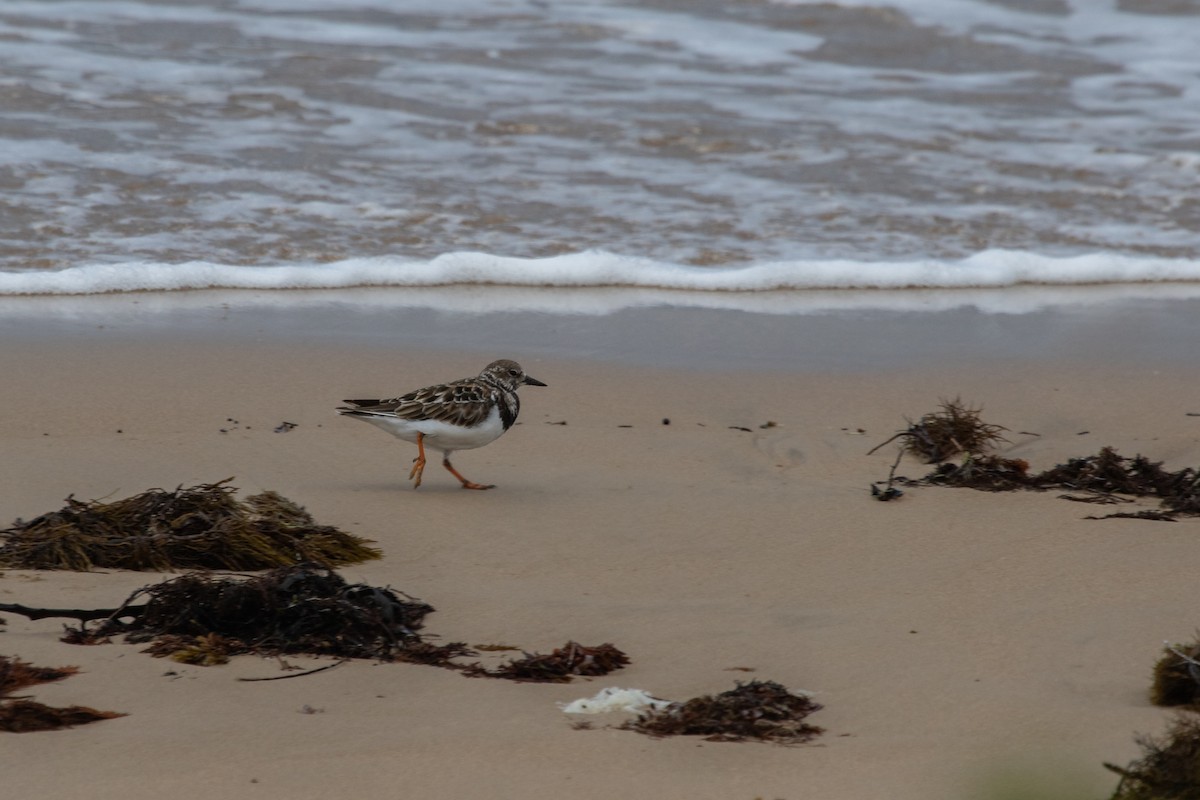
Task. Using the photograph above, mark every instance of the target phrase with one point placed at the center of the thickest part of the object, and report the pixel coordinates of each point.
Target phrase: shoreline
(859, 336)
(951, 636)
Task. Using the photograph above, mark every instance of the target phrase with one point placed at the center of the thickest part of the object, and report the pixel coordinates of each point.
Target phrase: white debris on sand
(614, 699)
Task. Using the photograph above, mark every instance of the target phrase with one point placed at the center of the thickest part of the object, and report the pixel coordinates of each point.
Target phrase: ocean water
(742, 153)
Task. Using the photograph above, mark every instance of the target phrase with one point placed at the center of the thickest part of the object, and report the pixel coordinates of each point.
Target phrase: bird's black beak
(532, 381)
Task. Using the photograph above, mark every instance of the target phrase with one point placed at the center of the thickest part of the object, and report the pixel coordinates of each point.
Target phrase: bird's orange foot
(466, 484)
(418, 469)
(415, 473)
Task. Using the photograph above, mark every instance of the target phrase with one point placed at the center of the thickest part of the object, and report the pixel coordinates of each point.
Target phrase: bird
(448, 417)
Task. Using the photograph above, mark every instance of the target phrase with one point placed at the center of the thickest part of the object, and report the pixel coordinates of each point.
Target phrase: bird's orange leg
(466, 483)
(414, 474)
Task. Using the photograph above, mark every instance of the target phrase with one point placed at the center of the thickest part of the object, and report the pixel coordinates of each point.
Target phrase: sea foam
(599, 269)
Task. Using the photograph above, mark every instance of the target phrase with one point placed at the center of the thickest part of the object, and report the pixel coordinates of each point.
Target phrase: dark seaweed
(758, 710)
(1169, 768)
(561, 665)
(299, 609)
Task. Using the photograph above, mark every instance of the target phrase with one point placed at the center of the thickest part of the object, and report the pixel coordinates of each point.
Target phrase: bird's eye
(512, 372)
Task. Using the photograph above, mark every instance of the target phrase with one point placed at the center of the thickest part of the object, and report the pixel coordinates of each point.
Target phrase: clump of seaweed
(1108, 473)
(1177, 676)
(955, 429)
(202, 527)
(1169, 768)
(936, 436)
(986, 472)
(202, 618)
(761, 710)
(1106, 478)
(17, 674)
(207, 650)
(561, 665)
(21, 715)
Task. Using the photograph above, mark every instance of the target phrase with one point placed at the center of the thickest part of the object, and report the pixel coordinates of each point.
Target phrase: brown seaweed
(1177, 676)
(1108, 473)
(1169, 768)
(21, 715)
(207, 650)
(561, 665)
(759, 710)
(203, 618)
(1104, 478)
(986, 472)
(28, 716)
(202, 527)
(16, 674)
(955, 429)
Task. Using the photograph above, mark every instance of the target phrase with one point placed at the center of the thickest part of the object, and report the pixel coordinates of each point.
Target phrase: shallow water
(679, 132)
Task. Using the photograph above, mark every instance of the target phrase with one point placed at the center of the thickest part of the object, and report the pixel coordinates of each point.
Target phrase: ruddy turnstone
(460, 415)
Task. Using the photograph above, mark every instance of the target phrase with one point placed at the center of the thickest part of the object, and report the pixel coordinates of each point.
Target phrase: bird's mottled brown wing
(465, 402)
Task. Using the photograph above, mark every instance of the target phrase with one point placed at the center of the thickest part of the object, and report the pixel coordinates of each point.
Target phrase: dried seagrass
(29, 716)
(21, 715)
(955, 429)
(939, 435)
(762, 710)
(1169, 768)
(16, 674)
(202, 527)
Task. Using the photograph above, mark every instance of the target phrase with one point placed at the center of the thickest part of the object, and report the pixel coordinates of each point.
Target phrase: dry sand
(953, 637)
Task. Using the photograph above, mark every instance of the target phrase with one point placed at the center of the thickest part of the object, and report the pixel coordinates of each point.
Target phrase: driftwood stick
(888, 492)
(81, 614)
(890, 439)
(298, 674)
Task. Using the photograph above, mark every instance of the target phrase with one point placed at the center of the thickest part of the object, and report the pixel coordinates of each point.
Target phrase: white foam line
(596, 269)
(130, 307)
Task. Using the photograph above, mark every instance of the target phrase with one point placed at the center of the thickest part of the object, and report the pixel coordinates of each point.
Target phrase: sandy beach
(956, 639)
(743, 243)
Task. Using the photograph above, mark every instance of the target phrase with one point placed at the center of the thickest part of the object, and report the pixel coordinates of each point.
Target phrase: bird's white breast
(441, 436)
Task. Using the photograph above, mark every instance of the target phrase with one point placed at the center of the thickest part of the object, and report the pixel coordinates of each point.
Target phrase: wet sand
(953, 637)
